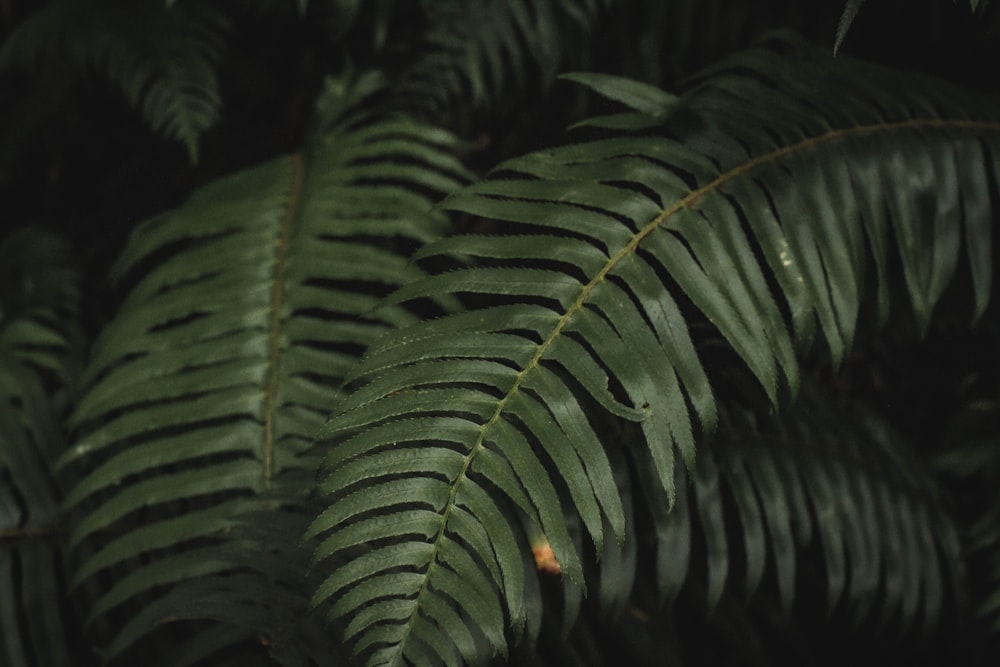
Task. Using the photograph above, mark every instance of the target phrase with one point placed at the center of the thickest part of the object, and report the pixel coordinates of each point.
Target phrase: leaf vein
(275, 318)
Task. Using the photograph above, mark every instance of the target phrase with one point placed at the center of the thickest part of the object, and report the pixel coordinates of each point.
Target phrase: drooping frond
(851, 8)
(971, 464)
(492, 55)
(824, 475)
(476, 51)
(247, 306)
(822, 500)
(258, 603)
(164, 60)
(779, 194)
(661, 43)
(38, 300)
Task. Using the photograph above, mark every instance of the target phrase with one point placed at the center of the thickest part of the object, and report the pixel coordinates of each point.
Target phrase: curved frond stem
(690, 201)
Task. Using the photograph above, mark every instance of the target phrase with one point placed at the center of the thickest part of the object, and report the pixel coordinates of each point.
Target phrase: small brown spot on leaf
(545, 560)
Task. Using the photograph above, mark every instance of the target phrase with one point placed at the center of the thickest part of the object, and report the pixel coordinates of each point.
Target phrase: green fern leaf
(820, 475)
(786, 171)
(642, 97)
(164, 60)
(477, 51)
(846, 19)
(249, 304)
(32, 625)
(37, 301)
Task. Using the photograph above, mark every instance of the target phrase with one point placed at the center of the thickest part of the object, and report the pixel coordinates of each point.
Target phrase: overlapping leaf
(822, 474)
(478, 51)
(248, 305)
(779, 195)
(164, 60)
(32, 618)
(38, 303)
(970, 462)
(823, 498)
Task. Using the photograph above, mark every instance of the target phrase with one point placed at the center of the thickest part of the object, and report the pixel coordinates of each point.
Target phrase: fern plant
(579, 312)
(632, 393)
(206, 389)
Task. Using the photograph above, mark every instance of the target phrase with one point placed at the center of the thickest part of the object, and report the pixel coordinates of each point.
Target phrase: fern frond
(821, 474)
(755, 214)
(824, 498)
(38, 301)
(163, 60)
(248, 305)
(257, 604)
(32, 624)
(478, 50)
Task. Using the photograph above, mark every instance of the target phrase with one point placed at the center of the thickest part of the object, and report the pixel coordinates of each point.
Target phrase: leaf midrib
(275, 318)
(688, 201)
